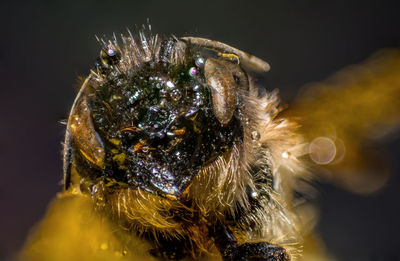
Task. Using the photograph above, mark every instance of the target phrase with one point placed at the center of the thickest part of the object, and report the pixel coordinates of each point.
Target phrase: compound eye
(224, 79)
(86, 139)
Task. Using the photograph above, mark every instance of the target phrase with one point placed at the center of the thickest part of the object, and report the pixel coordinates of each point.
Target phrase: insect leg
(232, 251)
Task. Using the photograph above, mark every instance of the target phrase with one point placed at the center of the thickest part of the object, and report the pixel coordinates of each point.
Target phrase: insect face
(155, 126)
(172, 141)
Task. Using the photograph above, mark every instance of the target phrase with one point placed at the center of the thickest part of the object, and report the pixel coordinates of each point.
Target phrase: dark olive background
(46, 45)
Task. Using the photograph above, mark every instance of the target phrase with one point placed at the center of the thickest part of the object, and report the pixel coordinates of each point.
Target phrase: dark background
(45, 45)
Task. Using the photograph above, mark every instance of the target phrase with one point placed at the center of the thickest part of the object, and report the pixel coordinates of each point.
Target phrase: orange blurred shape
(345, 115)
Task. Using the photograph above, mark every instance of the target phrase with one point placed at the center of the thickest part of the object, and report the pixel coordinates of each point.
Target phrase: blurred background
(46, 45)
